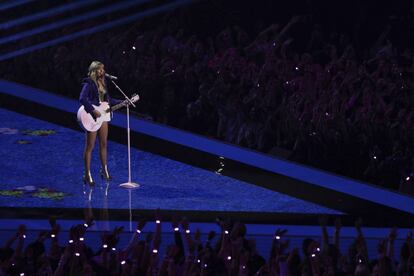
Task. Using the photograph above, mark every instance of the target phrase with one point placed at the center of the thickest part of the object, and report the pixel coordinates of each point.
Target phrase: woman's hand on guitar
(96, 113)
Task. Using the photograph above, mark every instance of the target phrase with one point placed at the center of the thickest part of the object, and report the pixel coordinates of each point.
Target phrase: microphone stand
(129, 184)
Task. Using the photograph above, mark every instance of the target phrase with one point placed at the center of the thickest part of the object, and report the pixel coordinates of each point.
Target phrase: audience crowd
(333, 97)
(230, 252)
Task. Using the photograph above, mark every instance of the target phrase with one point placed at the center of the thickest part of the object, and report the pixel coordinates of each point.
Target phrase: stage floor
(42, 168)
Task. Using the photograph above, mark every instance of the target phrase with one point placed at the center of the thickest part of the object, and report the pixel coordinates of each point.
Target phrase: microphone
(111, 77)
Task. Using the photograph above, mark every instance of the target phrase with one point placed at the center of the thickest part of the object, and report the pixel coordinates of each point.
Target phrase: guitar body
(88, 123)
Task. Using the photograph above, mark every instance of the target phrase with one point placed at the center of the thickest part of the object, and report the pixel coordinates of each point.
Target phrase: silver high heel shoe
(87, 179)
(105, 173)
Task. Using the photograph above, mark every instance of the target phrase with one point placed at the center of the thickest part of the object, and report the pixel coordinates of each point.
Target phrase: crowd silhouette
(230, 252)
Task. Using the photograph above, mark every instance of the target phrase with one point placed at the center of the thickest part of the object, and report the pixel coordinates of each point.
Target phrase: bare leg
(87, 154)
(103, 138)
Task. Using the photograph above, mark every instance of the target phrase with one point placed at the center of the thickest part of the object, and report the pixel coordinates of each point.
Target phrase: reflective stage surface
(42, 167)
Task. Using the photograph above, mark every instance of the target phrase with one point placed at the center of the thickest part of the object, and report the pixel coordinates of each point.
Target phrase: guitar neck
(134, 98)
(115, 107)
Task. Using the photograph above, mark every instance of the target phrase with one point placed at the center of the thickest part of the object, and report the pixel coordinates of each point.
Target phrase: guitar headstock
(134, 98)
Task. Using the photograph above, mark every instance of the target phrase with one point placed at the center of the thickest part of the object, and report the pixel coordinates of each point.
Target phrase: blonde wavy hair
(100, 83)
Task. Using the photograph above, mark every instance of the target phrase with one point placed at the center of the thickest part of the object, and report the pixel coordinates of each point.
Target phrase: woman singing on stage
(95, 91)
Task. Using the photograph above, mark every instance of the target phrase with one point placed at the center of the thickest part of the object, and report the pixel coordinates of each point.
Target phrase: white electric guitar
(88, 123)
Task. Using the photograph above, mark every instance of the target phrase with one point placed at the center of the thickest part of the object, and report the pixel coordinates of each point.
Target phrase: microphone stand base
(129, 185)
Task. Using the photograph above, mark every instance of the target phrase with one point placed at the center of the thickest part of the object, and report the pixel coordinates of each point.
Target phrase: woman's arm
(325, 237)
(83, 98)
(338, 224)
(390, 243)
(190, 256)
(177, 239)
(361, 243)
(154, 259)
